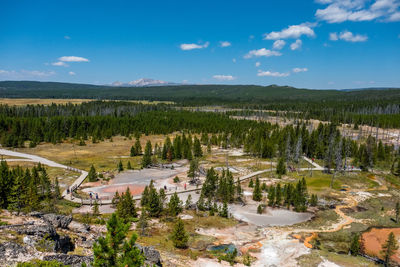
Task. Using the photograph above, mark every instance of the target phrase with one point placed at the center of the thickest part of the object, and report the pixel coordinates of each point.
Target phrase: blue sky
(308, 44)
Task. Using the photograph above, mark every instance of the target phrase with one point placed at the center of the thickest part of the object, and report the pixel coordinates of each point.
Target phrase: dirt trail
(345, 220)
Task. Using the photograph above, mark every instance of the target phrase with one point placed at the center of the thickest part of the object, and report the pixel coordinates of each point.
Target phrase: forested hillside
(375, 107)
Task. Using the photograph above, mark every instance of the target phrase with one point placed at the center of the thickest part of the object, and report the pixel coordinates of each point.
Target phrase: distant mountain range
(143, 82)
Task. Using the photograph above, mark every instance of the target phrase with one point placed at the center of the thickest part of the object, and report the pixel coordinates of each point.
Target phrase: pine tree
(146, 161)
(193, 169)
(114, 250)
(188, 201)
(271, 196)
(281, 168)
(179, 236)
(126, 209)
(143, 222)
(144, 200)
(18, 196)
(251, 184)
(92, 176)
(355, 245)
(120, 166)
(257, 195)
(116, 198)
(138, 147)
(95, 209)
(224, 211)
(129, 166)
(389, 248)
(174, 205)
(57, 190)
(260, 208)
(197, 152)
(154, 204)
(278, 195)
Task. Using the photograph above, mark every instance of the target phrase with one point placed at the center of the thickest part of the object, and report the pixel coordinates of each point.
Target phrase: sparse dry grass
(103, 155)
(49, 101)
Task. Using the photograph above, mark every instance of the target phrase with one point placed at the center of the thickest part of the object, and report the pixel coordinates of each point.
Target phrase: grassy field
(49, 101)
(103, 155)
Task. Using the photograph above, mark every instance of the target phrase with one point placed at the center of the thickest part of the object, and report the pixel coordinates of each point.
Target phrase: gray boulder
(70, 260)
(57, 220)
(152, 255)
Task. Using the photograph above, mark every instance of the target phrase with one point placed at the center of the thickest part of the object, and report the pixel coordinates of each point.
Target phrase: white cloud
(348, 37)
(272, 74)
(234, 60)
(224, 77)
(293, 31)
(194, 46)
(296, 45)
(67, 37)
(262, 53)
(279, 44)
(73, 59)
(71, 73)
(394, 17)
(60, 64)
(37, 73)
(23, 74)
(258, 64)
(224, 44)
(339, 11)
(333, 36)
(297, 70)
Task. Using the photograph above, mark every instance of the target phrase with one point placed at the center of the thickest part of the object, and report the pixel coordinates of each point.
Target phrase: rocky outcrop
(70, 260)
(11, 252)
(152, 255)
(39, 231)
(57, 220)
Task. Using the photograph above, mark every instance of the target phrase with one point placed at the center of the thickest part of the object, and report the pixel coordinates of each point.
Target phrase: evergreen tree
(138, 148)
(260, 208)
(129, 166)
(271, 196)
(146, 161)
(126, 209)
(389, 248)
(154, 203)
(114, 250)
(251, 184)
(188, 201)
(355, 245)
(197, 152)
(57, 190)
(193, 169)
(92, 176)
(224, 211)
(278, 195)
(179, 236)
(281, 168)
(143, 222)
(257, 194)
(18, 195)
(174, 205)
(120, 166)
(144, 200)
(95, 209)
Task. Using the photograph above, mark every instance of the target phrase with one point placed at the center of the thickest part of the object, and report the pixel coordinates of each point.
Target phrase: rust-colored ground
(135, 189)
(374, 239)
